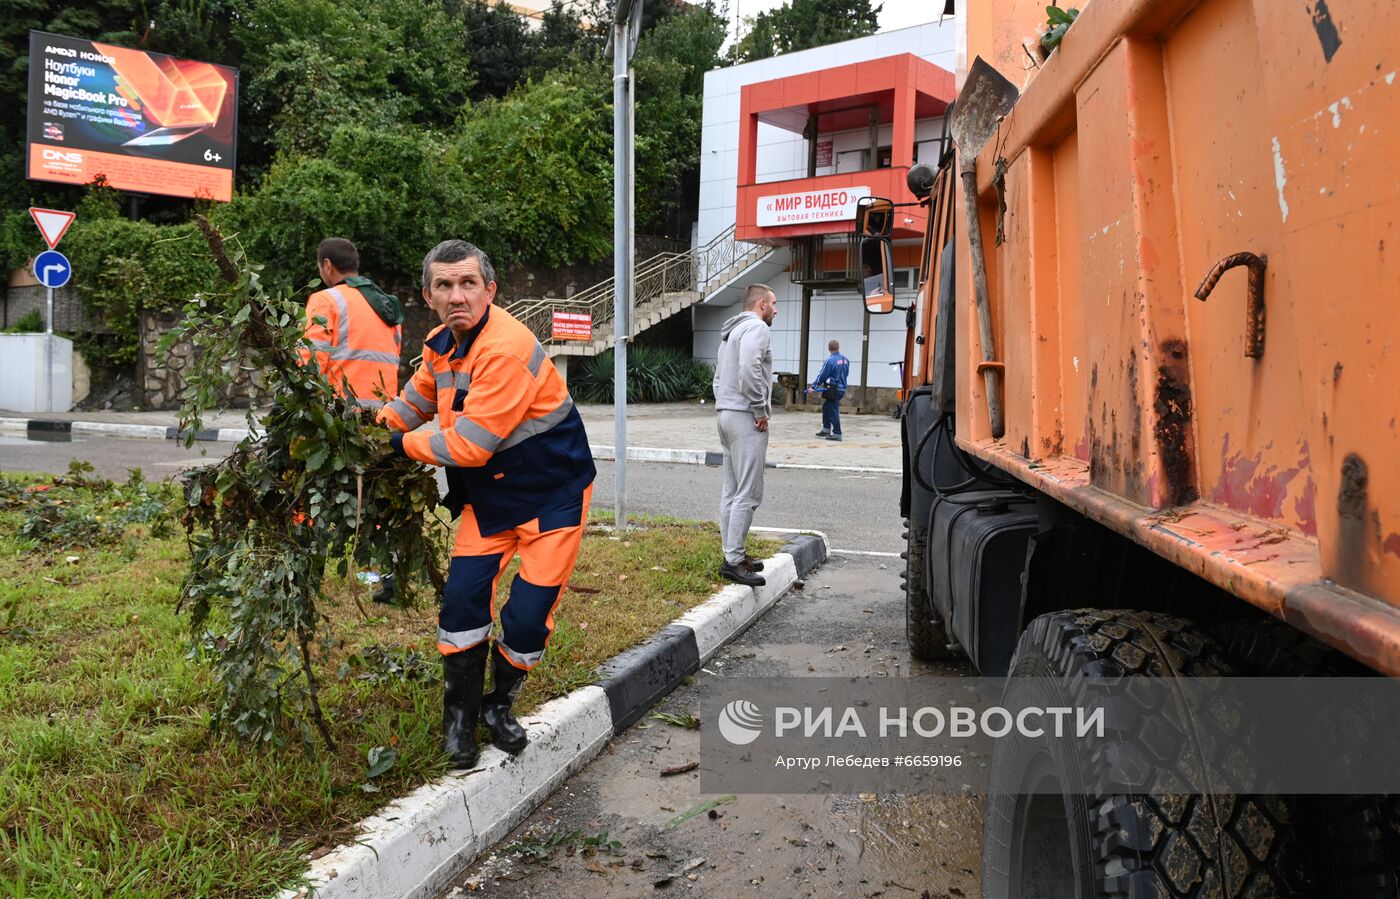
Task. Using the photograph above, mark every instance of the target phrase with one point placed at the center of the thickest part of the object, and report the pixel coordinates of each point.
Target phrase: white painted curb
(608, 452)
(416, 845)
(730, 612)
(115, 429)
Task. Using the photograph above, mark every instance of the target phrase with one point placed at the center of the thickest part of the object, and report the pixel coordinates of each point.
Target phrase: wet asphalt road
(761, 845)
(856, 510)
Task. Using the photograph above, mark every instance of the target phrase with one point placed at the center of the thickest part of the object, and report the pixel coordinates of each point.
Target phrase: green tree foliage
(497, 43)
(312, 66)
(671, 62)
(129, 267)
(548, 150)
(803, 24)
(393, 191)
(565, 38)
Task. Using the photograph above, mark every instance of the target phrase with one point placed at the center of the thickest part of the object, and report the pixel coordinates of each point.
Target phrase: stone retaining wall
(160, 376)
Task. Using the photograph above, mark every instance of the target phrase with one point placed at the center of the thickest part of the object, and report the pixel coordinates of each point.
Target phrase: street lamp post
(626, 25)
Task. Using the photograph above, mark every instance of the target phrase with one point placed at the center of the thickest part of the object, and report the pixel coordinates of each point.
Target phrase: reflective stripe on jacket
(353, 345)
(508, 434)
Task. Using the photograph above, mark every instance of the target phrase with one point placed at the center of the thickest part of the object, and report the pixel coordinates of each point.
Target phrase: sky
(895, 14)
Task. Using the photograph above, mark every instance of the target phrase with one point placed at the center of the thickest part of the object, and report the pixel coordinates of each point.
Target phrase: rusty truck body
(1191, 223)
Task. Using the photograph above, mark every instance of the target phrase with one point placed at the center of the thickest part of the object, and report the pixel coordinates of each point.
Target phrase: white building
(875, 105)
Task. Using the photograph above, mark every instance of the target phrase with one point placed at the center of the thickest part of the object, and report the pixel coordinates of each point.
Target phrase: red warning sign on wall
(573, 326)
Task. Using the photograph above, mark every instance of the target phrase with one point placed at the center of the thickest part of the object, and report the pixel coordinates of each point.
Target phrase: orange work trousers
(548, 548)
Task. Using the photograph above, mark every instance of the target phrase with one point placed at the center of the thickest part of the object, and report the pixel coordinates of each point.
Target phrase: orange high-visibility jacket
(512, 441)
(354, 344)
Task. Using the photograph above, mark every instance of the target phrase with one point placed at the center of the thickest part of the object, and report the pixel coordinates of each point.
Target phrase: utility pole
(627, 23)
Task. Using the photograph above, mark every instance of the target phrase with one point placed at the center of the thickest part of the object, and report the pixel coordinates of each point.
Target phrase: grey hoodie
(744, 370)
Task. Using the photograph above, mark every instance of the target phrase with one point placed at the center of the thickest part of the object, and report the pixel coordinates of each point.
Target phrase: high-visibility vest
(509, 435)
(353, 345)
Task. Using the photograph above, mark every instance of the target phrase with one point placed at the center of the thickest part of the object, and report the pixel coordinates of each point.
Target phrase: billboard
(146, 122)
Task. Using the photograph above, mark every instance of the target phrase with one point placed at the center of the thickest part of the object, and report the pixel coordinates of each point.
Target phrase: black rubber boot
(463, 677)
(506, 679)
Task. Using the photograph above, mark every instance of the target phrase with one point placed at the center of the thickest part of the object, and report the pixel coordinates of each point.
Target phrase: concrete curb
(55, 430)
(415, 845)
(607, 452)
(119, 429)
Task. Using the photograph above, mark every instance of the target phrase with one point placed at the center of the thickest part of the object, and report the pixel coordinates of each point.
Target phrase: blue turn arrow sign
(52, 268)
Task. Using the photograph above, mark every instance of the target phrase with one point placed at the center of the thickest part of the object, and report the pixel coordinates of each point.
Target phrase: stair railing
(699, 271)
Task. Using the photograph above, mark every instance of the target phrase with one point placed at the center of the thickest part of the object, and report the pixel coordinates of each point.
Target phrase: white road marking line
(860, 552)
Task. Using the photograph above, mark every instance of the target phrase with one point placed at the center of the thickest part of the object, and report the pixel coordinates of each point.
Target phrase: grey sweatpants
(745, 450)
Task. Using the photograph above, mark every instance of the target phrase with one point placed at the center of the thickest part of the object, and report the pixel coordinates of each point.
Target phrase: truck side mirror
(874, 216)
(876, 287)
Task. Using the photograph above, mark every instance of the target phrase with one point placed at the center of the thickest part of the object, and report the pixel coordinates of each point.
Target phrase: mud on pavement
(612, 831)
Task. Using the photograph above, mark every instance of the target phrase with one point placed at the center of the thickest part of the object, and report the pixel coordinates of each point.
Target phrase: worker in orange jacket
(354, 328)
(520, 475)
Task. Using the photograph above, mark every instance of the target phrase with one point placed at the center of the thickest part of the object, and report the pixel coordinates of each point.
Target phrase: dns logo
(69, 157)
(740, 722)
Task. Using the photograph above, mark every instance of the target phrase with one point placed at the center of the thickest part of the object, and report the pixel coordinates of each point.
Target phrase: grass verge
(110, 780)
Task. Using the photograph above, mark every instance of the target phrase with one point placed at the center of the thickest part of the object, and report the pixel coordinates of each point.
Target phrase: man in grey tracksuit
(744, 400)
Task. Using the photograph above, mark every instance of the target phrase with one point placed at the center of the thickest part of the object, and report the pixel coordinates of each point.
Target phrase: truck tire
(928, 638)
(1354, 840)
(1077, 845)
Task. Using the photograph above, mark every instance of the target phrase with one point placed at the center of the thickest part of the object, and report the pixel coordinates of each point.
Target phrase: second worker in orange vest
(520, 472)
(354, 328)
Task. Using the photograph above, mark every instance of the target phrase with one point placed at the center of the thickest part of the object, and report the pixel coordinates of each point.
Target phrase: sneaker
(739, 575)
(823, 433)
(836, 437)
(751, 564)
(386, 594)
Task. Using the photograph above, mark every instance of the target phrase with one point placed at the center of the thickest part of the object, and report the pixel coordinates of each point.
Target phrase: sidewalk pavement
(682, 429)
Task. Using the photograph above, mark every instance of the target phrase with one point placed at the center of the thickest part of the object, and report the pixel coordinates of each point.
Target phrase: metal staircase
(665, 284)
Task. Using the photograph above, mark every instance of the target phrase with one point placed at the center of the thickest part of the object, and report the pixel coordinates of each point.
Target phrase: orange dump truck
(1158, 420)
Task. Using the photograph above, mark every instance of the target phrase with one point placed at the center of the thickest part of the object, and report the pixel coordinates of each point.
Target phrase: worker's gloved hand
(390, 445)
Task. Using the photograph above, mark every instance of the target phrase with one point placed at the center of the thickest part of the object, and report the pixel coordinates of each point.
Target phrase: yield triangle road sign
(53, 223)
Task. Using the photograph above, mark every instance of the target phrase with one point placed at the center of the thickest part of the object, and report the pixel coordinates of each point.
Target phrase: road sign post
(48, 354)
(53, 270)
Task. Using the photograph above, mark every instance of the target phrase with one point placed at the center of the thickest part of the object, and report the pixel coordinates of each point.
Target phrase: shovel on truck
(985, 99)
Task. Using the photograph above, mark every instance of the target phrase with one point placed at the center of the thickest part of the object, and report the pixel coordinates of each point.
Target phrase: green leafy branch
(1057, 22)
(313, 484)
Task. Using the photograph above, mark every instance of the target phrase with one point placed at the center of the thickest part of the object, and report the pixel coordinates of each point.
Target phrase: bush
(654, 375)
(123, 268)
(538, 164)
(32, 322)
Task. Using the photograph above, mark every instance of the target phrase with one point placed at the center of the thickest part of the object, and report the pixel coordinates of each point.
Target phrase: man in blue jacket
(831, 381)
